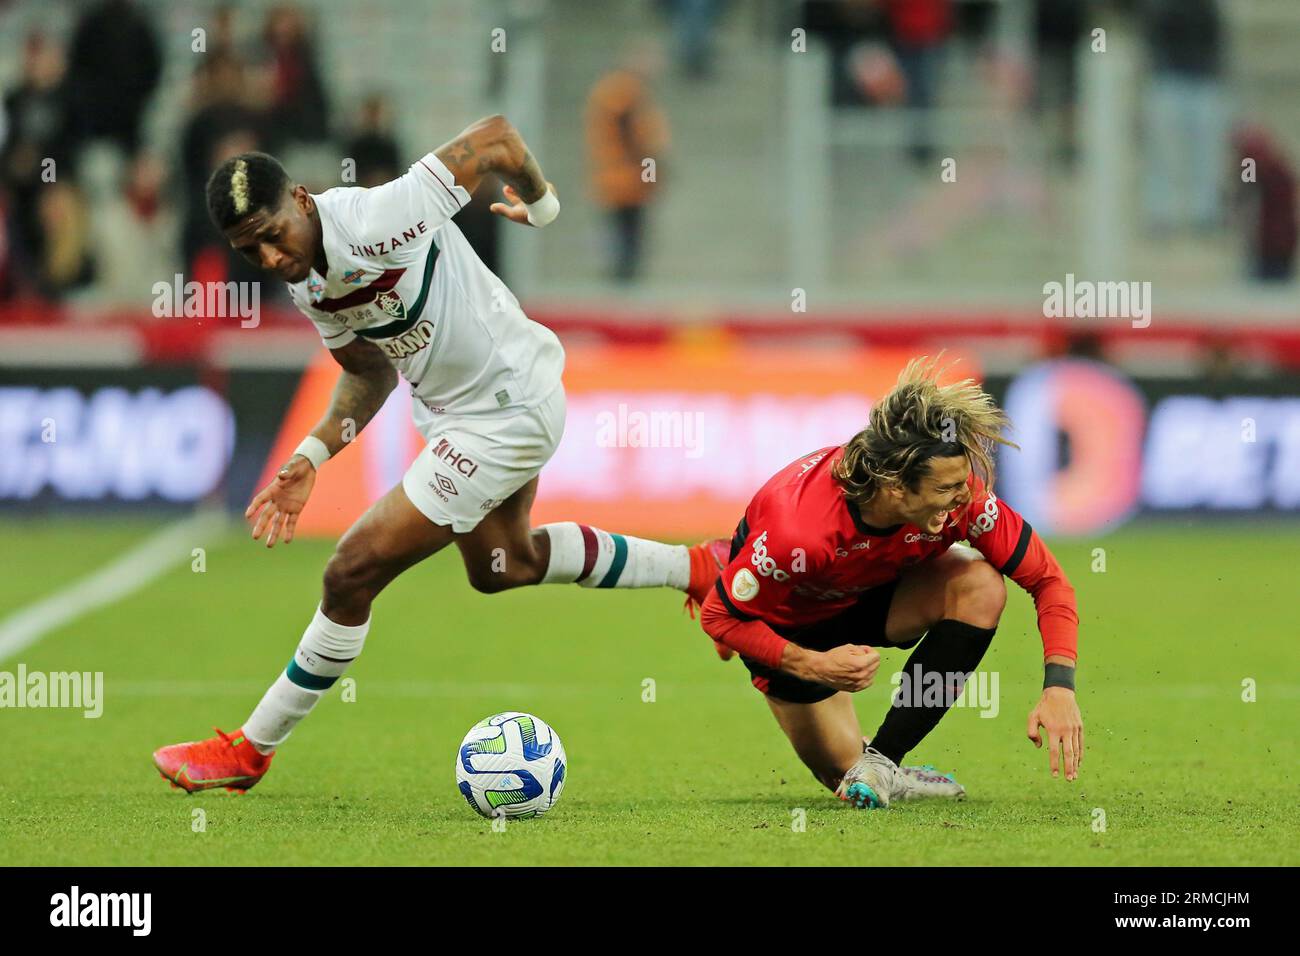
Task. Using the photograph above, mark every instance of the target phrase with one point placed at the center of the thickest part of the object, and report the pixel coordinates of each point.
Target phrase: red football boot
(226, 760)
(708, 558)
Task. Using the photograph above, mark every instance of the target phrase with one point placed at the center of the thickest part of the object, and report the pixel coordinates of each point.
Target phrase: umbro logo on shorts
(441, 481)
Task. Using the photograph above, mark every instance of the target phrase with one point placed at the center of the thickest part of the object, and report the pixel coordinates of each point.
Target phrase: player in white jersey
(394, 289)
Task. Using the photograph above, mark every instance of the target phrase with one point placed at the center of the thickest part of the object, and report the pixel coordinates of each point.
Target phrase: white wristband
(314, 450)
(544, 210)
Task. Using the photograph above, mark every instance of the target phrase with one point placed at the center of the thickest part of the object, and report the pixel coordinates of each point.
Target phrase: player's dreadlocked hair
(918, 420)
(244, 184)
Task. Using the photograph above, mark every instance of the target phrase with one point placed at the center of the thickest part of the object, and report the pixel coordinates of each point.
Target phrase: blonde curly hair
(918, 420)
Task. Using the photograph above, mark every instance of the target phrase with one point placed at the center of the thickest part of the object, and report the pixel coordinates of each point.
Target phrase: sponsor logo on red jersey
(985, 520)
(766, 565)
(744, 586)
(914, 536)
(812, 462)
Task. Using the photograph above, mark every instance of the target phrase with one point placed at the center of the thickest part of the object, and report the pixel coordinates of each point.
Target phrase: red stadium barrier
(1276, 341)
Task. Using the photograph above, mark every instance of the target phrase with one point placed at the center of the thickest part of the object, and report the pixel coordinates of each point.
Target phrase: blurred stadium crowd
(94, 211)
(68, 230)
(892, 53)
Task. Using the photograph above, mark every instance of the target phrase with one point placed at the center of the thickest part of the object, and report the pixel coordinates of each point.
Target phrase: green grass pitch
(1184, 770)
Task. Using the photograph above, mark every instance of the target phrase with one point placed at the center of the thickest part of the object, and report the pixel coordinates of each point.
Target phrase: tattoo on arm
(494, 146)
(460, 152)
(362, 388)
(528, 180)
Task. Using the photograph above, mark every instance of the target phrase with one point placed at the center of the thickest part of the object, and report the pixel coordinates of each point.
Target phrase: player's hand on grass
(1057, 713)
(515, 211)
(274, 510)
(849, 667)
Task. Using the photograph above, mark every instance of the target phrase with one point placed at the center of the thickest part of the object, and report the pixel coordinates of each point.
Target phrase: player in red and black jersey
(857, 547)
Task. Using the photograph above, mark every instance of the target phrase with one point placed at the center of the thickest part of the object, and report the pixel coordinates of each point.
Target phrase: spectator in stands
(1186, 136)
(885, 53)
(919, 30)
(864, 70)
(875, 72)
(37, 153)
(220, 103)
(693, 25)
(114, 66)
(1058, 31)
(135, 236)
(299, 108)
(627, 135)
(372, 144)
(66, 263)
(1267, 204)
(8, 289)
(223, 37)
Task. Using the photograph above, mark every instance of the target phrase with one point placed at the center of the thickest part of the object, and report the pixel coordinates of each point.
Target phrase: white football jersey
(404, 277)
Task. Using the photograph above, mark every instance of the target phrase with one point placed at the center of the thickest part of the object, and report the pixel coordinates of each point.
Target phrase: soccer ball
(511, 765)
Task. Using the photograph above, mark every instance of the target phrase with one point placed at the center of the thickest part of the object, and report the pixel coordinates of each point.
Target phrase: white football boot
(875, 781)
(926, 781)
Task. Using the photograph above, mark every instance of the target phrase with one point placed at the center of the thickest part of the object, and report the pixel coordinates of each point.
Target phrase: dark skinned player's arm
(360, 392)
(493, 145)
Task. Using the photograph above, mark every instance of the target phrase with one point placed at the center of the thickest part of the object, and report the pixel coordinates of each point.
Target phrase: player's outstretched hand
(274, 510)
(516, 211)
(849, 667)
(1058, 714)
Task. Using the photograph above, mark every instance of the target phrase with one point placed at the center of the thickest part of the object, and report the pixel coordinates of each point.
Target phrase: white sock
(322, 656)
(599, 559)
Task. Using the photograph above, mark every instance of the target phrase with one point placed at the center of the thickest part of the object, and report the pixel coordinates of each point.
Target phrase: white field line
(114, 581)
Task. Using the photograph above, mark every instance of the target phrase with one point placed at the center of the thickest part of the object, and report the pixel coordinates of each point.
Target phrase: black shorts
(860, 623)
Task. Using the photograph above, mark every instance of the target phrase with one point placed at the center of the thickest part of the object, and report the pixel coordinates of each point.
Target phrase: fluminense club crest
(391, 304)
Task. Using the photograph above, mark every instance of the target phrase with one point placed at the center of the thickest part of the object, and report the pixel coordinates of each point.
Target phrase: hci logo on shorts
(447, 452)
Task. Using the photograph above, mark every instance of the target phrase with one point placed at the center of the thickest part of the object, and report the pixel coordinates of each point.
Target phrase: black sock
(950, 647)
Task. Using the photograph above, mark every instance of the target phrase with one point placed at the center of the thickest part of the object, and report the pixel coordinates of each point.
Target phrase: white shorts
(471, 465)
